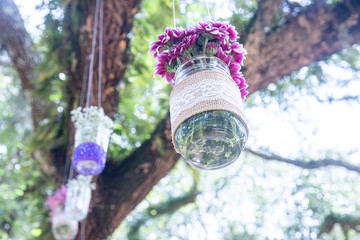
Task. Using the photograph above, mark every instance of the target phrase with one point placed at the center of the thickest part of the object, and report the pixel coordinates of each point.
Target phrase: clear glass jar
(210, 139)
(91, 144)
(200, 64)
(63, 228)
(78, 195)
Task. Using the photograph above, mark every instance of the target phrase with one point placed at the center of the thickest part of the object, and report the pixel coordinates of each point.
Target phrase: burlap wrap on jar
(204, 91)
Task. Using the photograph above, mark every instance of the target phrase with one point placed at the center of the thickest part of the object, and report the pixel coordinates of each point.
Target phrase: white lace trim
(204, 90)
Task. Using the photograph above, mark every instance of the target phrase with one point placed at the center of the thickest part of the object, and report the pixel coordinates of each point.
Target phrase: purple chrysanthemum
(57, 200)
(221, 54)
(176, 46)
(211, 48)
(215, 32)
(231, 32)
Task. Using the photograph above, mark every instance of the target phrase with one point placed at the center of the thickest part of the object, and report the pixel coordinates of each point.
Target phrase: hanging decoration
(62, 226)
(93, 130)
(93, 127)
(203, 64)
(78, 197)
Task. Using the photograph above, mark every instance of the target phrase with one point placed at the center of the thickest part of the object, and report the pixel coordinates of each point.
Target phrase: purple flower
(234, 67)
(155, 48)
(170, 78)
(238, 52)
(164, 59)
(162, 68)
(184, 47)
(170, 35)
(238, 48)
(215, 32)
(243, 85)
(190, 41)
(220, 54)
(211, 48)
(230, 30)
(244, 93)
(177, 50)
(56, 200)
(178, 45)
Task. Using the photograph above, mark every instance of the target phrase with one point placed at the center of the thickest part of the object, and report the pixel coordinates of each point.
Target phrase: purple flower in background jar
(93, 130)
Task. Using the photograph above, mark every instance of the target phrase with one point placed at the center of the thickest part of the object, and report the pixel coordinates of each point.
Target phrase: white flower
(93, 115)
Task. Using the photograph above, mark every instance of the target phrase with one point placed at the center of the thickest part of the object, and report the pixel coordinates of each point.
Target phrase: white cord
(92, 54)
(100, 50)
(208, 10)
(174, 13)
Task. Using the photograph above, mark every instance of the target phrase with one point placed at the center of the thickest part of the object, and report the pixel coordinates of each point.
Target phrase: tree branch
(311, 36)
(19, 45)
(265, 13)
(332, 99)
(306, 164)
(168, 207)
(346, 221)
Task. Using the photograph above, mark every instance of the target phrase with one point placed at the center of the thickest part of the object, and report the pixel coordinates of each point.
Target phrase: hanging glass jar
(78, 197)
(63, 227)
(93, 130)
(206, 111)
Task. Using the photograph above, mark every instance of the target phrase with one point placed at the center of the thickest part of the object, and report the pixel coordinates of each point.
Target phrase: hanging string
(92, 54)
(208, 10)
(173, 2)
(67, 161)
(82, 230)
(83, 85)
(81, 104)
(71, 173)
(100, 50)
(82, 96)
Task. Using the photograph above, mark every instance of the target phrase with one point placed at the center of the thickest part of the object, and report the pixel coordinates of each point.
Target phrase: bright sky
(33, 18)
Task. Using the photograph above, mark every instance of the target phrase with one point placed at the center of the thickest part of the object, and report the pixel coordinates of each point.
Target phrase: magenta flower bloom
(230, 30)
(220, 54)
(160, 68)
(211, 48)
(189, 41)
(170, 78)
(234, 67)
(170, 35)
(179, 45)
(237, 48)
(57, 200)
(215, 32)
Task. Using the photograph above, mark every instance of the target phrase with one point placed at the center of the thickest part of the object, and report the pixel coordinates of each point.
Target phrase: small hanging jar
(78, 197)
(206, 112)
(63, 227)
(93, 130)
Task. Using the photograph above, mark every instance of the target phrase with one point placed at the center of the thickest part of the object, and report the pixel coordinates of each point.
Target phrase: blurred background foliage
(307, 115)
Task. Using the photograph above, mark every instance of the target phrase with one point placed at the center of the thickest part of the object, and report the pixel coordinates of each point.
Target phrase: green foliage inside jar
(211, 139)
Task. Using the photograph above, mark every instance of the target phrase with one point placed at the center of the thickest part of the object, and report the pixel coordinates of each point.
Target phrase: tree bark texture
(18, 44)
(310, 36)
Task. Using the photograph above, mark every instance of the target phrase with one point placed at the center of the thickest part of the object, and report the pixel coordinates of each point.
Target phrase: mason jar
(206, 112)
(91, 144)
(78, 195)
(63, 228)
